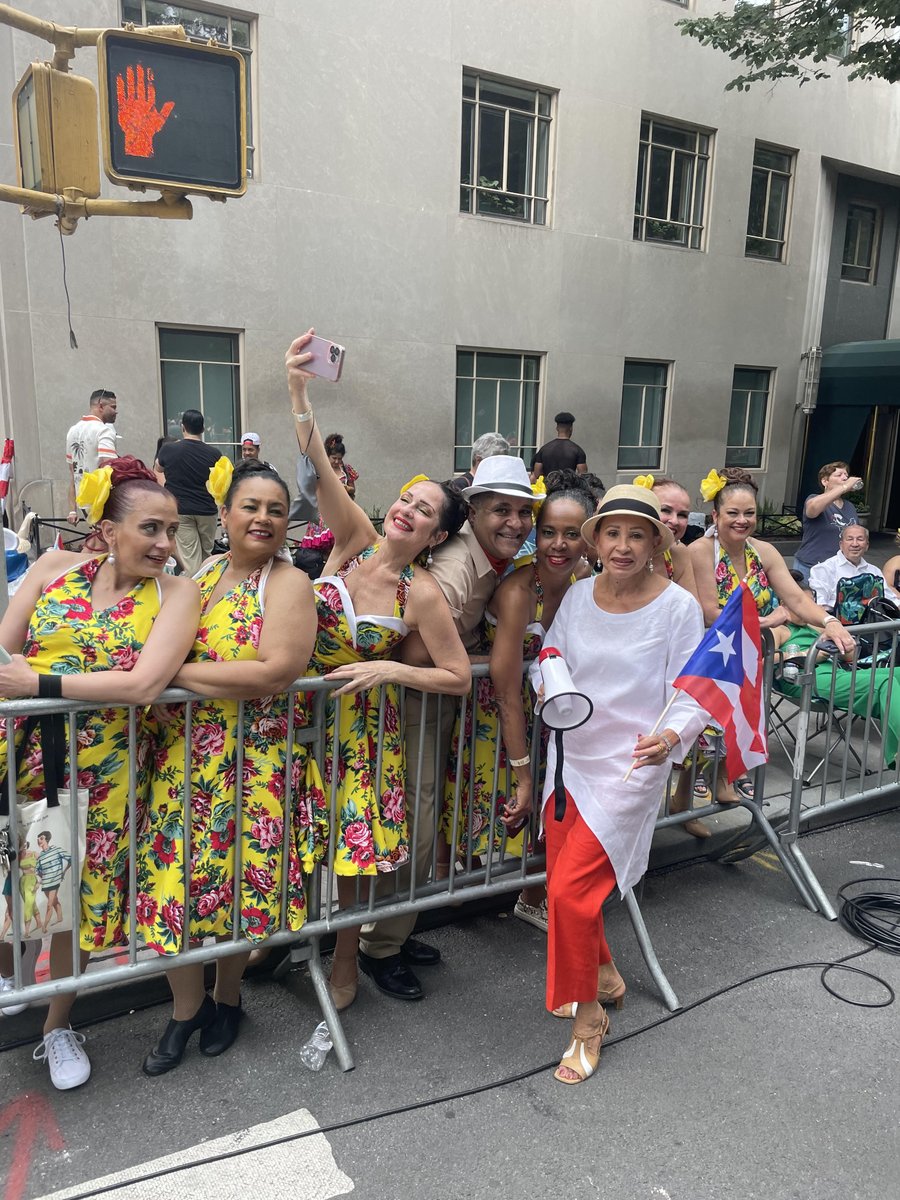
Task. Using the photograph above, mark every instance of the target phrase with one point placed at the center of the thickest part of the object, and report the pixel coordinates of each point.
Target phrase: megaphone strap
(559, 788)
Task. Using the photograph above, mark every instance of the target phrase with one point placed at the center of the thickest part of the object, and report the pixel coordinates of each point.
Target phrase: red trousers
(580, 877)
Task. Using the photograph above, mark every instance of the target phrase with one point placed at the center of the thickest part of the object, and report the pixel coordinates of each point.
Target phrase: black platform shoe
(222, 1032)
(169, 1052)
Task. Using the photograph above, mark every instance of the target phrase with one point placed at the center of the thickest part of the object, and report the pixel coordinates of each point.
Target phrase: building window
(860, 243)
(505, 149)
(496, 392)
(200, 24)
(747, 419)
(670, 197)
(644, 388)
(770, 189)
(200, 368)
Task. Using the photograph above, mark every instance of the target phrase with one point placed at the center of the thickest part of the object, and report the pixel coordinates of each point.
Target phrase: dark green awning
(861, 373)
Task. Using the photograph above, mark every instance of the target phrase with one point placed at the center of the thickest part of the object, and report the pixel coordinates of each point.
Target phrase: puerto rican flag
(724, 676)
(6, 468)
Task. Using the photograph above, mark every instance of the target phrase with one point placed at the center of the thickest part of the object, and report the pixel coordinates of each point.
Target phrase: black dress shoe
(222, 1031)
(392, 976)
(419, 954)
(168, 1053)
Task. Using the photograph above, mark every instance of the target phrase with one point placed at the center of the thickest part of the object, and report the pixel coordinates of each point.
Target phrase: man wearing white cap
(250, 444)
(467, 568)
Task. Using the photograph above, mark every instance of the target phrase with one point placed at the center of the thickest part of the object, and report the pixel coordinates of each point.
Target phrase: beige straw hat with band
(626, 500)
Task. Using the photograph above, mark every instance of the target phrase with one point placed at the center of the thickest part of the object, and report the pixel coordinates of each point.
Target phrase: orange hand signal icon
(139, 118)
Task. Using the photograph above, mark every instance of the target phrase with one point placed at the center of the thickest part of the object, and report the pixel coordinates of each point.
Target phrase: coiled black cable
(872, 916)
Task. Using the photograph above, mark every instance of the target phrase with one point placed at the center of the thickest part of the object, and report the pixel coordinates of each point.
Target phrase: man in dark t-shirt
(186, 465)
(562, 453)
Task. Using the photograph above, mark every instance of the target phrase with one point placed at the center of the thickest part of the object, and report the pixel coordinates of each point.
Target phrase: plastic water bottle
(315, 1051)
(790, 670)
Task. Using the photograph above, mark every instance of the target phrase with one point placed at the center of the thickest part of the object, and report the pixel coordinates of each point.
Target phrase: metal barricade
(855, 710)
(469, 876)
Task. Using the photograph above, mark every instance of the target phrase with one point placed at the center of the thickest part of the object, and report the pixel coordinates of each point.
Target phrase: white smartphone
(4, 657)
(327, 358)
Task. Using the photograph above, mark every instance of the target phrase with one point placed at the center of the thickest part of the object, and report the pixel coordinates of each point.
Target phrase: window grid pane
(506, 389)
(770, 184)
(505, 150)
(642, 419)
(860, 241)
(670, 192)
(200, 369)
(747, 417)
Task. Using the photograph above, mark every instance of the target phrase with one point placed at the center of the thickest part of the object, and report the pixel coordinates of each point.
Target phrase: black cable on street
(881, 933)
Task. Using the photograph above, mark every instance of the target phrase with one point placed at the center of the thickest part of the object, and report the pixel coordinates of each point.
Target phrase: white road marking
(861, 862)
(303, 1169)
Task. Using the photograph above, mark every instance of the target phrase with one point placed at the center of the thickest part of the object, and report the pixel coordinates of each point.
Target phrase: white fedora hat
(502, 473)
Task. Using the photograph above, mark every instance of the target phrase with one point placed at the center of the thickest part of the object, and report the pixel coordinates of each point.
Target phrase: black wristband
(49, 687)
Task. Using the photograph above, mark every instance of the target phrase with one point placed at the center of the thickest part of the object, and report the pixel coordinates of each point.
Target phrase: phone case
(327, 358)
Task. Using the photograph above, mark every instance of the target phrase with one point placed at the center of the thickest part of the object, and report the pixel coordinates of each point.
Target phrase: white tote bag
(47, 857)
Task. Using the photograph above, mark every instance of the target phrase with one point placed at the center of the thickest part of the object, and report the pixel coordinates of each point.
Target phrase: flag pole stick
(659, 722)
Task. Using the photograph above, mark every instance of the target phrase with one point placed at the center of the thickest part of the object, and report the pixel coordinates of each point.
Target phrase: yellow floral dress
(371, 833)
(68, 636)
(473, 822)
(229, 631)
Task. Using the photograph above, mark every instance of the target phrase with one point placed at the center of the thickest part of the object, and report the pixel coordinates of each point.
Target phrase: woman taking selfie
(371, 596)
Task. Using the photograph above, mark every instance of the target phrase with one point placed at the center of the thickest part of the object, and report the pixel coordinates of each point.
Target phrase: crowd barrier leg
(823, 904)
(326, 1004)
(787, 862)
(664, 988)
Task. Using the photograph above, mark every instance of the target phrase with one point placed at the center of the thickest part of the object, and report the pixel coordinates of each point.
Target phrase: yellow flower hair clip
(93, 492)
(415, 479)
(712, 485)
(219, 480)
(644, 481)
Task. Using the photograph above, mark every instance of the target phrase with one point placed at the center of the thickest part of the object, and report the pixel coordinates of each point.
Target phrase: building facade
(501, 210)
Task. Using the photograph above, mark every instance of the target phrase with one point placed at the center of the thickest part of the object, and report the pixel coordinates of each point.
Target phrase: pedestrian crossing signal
(173, 114)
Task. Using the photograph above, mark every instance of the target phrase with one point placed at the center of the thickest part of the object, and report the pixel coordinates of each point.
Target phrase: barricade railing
(848, 716)
(469, 876)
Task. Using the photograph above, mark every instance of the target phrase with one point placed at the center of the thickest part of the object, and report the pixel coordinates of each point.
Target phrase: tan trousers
(381, 939)
(194, 540)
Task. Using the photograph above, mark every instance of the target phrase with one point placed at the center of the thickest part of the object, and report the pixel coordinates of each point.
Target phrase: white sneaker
(9, 1010)
(69, 1066)
(30, 952)
(535, 915)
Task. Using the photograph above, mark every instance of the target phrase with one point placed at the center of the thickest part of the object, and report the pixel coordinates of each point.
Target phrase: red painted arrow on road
(35, 1118)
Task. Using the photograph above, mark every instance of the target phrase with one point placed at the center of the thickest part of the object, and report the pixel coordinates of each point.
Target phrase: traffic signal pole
(71, 206)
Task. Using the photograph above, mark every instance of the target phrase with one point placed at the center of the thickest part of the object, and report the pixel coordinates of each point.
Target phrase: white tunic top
(626, 663)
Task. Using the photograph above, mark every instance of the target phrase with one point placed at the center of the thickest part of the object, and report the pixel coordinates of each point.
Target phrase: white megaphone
(562, 707)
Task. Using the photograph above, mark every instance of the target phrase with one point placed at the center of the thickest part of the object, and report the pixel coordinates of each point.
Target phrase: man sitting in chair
(826, 578)
(852, 690)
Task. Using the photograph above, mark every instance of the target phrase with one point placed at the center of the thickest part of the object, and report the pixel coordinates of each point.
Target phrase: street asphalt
(776, 1090)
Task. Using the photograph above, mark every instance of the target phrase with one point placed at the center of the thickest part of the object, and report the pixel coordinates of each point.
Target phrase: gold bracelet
(302, 418)
(520, 762)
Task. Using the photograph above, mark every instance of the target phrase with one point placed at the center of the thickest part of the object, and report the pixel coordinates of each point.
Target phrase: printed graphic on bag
(46, 866)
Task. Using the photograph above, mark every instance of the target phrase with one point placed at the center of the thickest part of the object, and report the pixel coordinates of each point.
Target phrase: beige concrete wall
(351, 223)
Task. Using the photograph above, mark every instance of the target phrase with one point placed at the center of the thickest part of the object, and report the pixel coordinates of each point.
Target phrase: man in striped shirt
(51, 867)
(91, 443)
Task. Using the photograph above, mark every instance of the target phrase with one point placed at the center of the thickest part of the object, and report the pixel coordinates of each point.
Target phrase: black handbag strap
(53, 753)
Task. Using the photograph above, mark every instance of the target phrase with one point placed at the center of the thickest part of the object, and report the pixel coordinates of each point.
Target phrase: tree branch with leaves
(788, 39)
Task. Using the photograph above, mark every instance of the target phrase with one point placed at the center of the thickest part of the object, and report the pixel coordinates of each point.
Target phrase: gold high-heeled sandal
(578, 1058)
